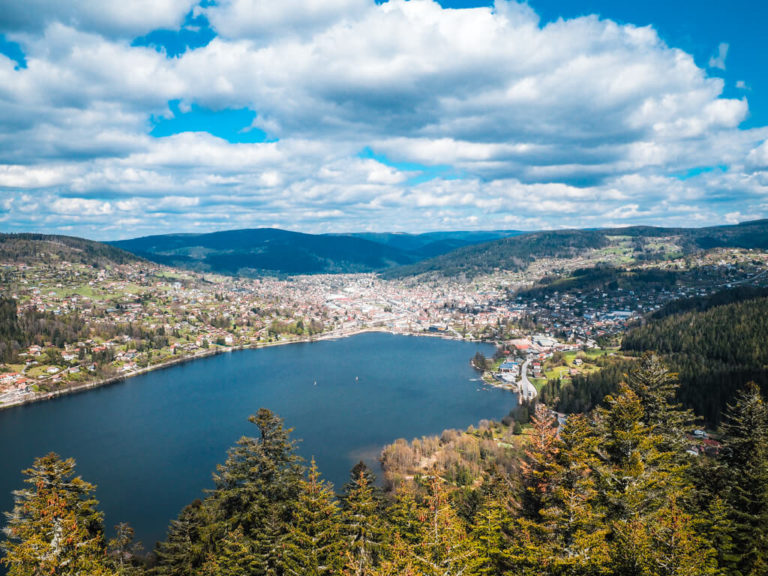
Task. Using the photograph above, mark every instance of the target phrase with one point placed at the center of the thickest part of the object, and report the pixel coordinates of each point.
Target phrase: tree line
(715, 344)
(610, 492)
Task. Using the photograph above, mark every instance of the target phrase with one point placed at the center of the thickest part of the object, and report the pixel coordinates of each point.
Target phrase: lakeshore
(30, 398)
(150, 445)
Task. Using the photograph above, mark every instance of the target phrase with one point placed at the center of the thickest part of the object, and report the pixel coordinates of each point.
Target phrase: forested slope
(715, 344)
(52, 249)
(714, 347)
(613, 492)
(512, 253)
(517, 252)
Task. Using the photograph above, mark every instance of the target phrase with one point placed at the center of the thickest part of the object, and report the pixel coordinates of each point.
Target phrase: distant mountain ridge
(516, 252)
(274, 251)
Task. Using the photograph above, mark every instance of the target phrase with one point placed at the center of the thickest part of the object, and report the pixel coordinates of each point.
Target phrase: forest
(514, 253)
(614, 491)
(713, 343)
(18, 331)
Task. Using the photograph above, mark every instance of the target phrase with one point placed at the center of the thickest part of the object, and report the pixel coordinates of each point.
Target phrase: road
(527, 390)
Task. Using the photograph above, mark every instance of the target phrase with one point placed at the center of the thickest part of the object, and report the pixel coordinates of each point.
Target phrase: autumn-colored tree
(55, 528)
(538, 468)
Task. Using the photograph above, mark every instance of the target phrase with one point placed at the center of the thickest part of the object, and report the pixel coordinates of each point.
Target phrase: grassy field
(562, 369)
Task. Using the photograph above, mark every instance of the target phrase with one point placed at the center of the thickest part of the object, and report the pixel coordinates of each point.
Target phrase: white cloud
(758, 158)
(718, 58)
(576, 122)
(264, 20)
(120, 18)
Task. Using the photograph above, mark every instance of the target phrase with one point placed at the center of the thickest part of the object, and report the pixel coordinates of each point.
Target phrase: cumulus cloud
(111, 18)
(475, 118)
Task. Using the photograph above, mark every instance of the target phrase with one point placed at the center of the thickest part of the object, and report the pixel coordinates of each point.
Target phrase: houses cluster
(140, 314)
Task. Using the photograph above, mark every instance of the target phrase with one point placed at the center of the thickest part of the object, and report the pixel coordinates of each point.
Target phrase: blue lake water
(152, 442)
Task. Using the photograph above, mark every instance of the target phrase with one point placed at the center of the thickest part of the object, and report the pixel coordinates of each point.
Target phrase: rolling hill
(643, 242)
(274, 251)
(51, 249)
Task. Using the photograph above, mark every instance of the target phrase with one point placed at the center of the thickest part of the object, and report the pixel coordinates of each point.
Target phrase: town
(125, 319)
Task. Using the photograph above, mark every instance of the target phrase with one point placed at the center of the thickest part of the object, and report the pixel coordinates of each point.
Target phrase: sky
(124, 119)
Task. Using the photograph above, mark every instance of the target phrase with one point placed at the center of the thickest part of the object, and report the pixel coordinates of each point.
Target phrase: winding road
(527, 390)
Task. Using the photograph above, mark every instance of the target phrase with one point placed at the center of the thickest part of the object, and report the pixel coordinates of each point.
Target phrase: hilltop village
(92, 325)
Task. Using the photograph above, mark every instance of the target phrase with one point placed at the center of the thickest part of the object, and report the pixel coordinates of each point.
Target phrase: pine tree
(245, 516)
(629, 456)
(539, 465)
(650, 531)
(255, 489)
(490, 538)
(314, 545)
(55, 528)
(236, 557)
(186, 548)
(400, 561)
(575, 522)
(656, 387)
(259, 473)
(124, 551)
(403, 515)
(363, 528)
(745, 453)
(444, 547)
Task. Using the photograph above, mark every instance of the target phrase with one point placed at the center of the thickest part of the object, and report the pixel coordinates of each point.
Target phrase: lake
(151, 443)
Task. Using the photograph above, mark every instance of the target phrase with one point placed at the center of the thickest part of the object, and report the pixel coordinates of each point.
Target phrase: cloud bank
(394, 116)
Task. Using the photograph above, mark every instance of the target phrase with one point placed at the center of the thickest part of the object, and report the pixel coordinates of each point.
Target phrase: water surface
(151, 443)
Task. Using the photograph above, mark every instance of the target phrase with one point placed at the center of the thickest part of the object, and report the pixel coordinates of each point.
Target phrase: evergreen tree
(656, 387)
(254, 492)
(745, 453)
(403, 515)
(314, 544)
(256, 487)
(185, 549)
(571, 513)
(54, 527)
(444, 547)
(490, 537)
(235, 557)
(125, 553)
(538, 468)
(363, 527)
(650, 532)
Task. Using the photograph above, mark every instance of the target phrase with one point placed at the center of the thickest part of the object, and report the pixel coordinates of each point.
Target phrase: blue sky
(352, 115)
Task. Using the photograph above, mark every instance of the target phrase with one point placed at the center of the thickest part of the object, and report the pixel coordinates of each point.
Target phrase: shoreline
(104, 382)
